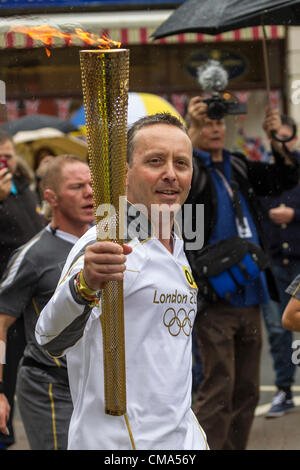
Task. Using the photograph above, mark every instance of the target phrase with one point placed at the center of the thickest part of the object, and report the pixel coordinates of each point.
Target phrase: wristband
(1, 387)
(84, 286)
(89, 295)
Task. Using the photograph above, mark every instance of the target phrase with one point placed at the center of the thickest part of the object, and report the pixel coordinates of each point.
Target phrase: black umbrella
(218, 16)
(32, 122)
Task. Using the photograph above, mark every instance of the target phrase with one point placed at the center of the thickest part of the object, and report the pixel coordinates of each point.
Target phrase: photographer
(228, 325)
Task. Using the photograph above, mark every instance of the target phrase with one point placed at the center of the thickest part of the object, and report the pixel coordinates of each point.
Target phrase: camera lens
(216, 109)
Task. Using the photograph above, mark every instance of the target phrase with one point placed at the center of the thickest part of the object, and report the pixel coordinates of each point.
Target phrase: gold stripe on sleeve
(53, 417)
(297, 288)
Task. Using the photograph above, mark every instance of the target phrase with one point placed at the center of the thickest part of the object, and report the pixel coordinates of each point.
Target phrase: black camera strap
(236, 202)
(233, 191)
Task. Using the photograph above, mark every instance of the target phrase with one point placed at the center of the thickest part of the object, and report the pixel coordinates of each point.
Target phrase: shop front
(45, 78)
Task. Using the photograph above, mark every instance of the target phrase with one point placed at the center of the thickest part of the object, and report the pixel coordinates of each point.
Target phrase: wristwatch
(1, 387)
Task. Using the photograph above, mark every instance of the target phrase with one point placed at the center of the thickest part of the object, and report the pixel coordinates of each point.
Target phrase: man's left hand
(272, 121)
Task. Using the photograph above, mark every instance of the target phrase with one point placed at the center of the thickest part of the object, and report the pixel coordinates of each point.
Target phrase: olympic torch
(105, 78)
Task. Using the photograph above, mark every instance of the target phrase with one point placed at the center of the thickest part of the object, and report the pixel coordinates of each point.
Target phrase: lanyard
(234, 196)
(225, 182)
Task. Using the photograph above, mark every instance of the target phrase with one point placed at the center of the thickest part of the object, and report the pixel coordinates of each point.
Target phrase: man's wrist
(1, 387)
(195, 126)
(86, 293)
(4, 194)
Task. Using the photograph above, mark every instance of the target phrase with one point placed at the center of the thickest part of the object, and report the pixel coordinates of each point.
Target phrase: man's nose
(170, 172)
(88, 191)
(215, 126)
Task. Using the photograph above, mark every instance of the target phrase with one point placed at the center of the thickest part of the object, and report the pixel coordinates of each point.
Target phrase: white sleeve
(62, 321)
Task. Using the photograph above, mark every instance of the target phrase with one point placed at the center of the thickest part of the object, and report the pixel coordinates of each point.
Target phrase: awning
(129, 28)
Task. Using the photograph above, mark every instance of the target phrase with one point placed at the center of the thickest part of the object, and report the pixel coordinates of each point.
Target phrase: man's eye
(182, 163)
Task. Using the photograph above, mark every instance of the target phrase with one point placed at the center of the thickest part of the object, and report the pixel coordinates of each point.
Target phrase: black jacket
(254, 179)
(19, 220)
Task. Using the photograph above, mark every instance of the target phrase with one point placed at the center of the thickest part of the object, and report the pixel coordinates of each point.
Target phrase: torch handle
(105, 76)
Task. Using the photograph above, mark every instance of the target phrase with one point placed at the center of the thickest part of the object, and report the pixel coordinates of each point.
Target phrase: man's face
(8, 152)
(161, 168)
(74, 195)
(283, 133)
(212, 136)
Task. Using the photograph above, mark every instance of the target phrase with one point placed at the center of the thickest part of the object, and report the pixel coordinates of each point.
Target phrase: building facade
(41, 79)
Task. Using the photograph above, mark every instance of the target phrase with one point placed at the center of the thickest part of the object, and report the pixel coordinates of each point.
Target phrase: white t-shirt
(160, 304)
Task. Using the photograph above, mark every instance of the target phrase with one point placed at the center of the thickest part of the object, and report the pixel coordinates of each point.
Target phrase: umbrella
(218, 16)
(51, 141)
(33, 122)
(139, 105)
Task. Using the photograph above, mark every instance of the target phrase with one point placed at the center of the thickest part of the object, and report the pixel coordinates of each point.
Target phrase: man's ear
(51, 197)
(126, 181)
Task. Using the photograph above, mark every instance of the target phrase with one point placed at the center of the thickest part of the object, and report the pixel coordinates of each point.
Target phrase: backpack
(226, 267)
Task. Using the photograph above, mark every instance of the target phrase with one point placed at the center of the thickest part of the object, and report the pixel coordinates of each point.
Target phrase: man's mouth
(169, 192)
(89, 206)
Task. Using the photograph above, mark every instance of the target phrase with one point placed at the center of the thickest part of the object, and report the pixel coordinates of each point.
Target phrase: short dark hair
(4, 137)
(52, 174)
(159, 118)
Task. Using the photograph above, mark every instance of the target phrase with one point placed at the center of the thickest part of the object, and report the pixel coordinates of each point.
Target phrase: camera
(218, 106)
(3, 163)
(213, 78)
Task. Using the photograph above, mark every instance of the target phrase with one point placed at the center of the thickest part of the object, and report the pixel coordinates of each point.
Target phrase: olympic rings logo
(180, 321)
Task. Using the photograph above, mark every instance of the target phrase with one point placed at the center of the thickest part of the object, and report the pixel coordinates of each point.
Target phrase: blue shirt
(256, 292)
(13, 189)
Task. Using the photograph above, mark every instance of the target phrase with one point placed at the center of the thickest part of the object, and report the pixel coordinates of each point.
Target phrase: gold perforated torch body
(105, 77)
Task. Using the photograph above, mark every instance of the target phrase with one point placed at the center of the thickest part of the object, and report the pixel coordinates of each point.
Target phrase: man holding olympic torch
(159, 306)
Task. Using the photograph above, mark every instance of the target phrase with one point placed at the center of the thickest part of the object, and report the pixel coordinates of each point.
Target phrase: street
(278, 433)
(266, 434)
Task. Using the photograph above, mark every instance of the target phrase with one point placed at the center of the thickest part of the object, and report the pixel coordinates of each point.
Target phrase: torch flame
(46, 33)
(103, 43)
